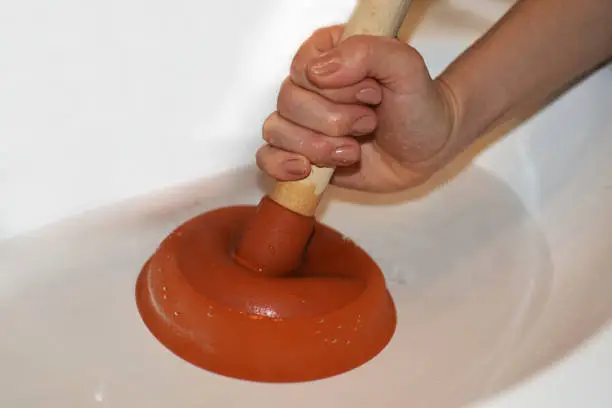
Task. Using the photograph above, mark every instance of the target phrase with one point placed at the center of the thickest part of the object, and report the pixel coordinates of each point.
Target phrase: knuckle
(367, 46)
(267, 159)
(400, 51)
(337, 123)
(297, 63)
(414, 56)
(269, 126)
(296, 67)
(319, 32)
(319, 144)
(285, 96)
(284, 88)
(320, 147)
(336, 30)
(361, 46)
(260, 159)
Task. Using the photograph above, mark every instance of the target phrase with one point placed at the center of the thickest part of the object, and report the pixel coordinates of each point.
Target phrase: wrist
(475, 104)
(453, 116)
(452, 108)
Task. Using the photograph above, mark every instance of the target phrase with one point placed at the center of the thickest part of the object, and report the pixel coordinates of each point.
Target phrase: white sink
(121, 119)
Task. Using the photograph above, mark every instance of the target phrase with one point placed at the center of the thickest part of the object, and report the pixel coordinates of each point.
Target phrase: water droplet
(98, 396)
(318, 332)
(165, 297)
(176, 313)
(339, 326)
(209, 314)
(99, 393)
(321, 321)
(271, 249)
(348, 342)
(334, 341)
(210, 307)
(164, 288)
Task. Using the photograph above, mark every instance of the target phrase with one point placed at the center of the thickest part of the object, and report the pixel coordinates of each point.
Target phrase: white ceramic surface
(102, 103)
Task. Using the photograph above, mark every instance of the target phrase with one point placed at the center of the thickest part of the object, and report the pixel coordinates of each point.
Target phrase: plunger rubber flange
(331, 315)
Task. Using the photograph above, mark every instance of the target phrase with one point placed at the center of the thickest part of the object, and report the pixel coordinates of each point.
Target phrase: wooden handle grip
(370, 17)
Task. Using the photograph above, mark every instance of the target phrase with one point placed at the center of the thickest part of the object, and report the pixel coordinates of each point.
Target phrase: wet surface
(468, 268)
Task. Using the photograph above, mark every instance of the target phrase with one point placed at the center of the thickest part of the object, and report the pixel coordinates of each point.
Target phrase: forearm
(533, 52)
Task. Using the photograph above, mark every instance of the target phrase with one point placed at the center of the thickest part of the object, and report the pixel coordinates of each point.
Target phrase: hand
(366, 106)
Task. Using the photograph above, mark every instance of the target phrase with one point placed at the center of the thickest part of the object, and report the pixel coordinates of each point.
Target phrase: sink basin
(120, 121)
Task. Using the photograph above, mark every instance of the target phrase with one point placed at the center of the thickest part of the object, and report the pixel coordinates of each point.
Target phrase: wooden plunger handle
(370, 17)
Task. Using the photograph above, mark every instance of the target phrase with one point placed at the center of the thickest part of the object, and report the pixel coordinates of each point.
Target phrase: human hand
(366, 106)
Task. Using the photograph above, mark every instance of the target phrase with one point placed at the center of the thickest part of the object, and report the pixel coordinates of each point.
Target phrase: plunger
(267, 293)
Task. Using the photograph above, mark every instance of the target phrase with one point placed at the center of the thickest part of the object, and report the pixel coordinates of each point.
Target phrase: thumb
(391, 62)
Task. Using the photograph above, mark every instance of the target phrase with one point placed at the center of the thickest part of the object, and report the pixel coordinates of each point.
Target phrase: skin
(368, 106)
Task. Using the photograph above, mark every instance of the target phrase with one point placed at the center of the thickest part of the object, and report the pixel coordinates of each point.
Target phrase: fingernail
(344, 155)
(295, 167)
(325, 64)
(368, 95)
(364, 125)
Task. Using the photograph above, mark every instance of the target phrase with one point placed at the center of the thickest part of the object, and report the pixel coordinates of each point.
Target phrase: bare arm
(537, 49)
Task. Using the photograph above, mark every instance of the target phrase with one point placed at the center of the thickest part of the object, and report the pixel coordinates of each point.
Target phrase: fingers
(323, 116)
(282, 165)
(316, 124)
(320, 41)
(288, 166)
(319, 149)
(367, 91)
(392, 63)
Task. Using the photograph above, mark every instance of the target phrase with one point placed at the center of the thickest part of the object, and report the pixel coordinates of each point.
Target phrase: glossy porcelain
(122, 119)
